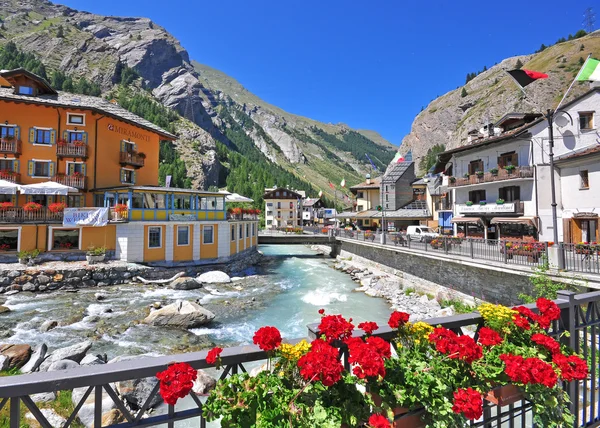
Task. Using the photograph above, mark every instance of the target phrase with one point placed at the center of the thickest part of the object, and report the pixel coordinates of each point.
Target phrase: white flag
(343, 183)
(320, 193)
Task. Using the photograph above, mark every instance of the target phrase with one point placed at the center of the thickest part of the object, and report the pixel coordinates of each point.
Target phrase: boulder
(185, 283)
(92, 360)
(204, 383)
(99, 297)
(4, 360)
(74, 352)
(181, 314)
(18, 355)
(214, 277)
(36, 359)
(446, 312)
(48, 325)
(44, 397)
(137, 391)
(4, 309)
(62, 365)
(112, 417)
(53, 418)
(86, 413)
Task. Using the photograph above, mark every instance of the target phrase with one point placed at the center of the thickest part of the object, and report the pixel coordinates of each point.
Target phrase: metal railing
(299, 230)
(130, 158)
(580, 316)
(10, 146)
(13, 177)
(489, 177)
(77, 181)
(72, 150)
(584, 258)
(19, 215)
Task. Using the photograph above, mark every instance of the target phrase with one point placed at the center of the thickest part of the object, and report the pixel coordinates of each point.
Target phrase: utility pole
(550, 119)
(589, 19)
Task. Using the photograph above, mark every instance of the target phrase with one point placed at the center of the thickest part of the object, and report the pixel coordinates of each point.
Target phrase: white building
(310, 208)
(283, 207)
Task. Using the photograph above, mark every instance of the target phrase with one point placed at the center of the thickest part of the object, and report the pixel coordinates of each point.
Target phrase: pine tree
(464, 92)
(581, 48)
(60, 32)
(581, 61)
(519, 64)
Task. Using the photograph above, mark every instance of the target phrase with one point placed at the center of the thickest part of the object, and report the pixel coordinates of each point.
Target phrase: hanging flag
(331, 185)
(590, 71)
(371, 161)
(525, 77)
(343, 183)
(320, 193)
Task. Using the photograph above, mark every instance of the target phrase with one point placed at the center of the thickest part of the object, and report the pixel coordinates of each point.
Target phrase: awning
(465, 220)
(8, 188)
(528, 221)
(236, 197)
(46, 188)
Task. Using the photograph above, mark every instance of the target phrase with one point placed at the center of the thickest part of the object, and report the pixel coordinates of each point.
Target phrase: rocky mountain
(221, 125)
(492, 94)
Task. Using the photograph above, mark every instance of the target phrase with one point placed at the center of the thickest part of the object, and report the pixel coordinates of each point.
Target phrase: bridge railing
(580, 316)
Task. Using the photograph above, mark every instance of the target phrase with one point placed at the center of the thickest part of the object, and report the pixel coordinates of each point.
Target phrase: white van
(420, 233)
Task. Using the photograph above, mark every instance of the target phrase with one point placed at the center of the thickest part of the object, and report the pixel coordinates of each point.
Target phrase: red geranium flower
(571, 368)
(176, 382)
(321, 363)
(321, 311)
(383, 347)
(529, 370)
(213, 355)
(267, 338)
(456, 347)
(547, 342)
(335, 327)
(379, 421)
(366, 358)
(548, 308)
(521, 321)
(489, 337)
(398, 319)
(368, 327)
(468, 402)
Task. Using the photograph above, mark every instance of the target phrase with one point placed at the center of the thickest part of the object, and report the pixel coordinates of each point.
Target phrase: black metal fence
(584, 258)
(580, 316)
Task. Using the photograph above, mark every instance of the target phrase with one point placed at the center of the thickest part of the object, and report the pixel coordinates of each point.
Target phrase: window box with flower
(32, 207)
(95, 255)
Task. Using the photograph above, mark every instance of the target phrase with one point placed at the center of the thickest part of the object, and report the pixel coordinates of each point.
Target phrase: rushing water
(285, 291)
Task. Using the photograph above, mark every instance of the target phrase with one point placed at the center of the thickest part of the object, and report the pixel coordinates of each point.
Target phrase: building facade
(310, 210)
(283, 208)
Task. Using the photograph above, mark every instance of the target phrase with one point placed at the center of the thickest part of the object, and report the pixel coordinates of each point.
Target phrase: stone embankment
(52, 276)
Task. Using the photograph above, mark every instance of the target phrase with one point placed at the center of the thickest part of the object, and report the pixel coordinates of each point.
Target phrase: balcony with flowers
(238, 213)
(76, 180)
(132, 158)
(9, 175)
(71, 149)
(10, 145)
(508, 172)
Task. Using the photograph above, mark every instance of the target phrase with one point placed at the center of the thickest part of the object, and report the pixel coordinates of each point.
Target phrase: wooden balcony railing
(10, 146)
(70, 150)
(19, 215)
(13, 177)
(133, 159)
(77, 181)
(488, 177)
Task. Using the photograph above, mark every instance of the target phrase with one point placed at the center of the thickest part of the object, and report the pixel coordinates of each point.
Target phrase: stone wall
(489, 283)
(74, 275)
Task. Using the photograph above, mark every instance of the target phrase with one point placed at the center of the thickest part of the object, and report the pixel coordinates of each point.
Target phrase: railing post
(408, 240)
(98, 406)
(504, 251)
(568, 317)
(445, 238)
(15, 412)
(471, 248)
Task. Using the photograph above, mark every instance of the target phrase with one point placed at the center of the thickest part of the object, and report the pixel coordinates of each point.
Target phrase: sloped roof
(374, 184)
(586, 151)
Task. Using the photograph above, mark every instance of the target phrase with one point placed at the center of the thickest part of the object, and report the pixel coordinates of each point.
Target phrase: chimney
(368, 181)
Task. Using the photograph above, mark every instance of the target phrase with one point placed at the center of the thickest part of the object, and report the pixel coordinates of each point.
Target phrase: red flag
(331, 185)
(525, 77)
(400, 159)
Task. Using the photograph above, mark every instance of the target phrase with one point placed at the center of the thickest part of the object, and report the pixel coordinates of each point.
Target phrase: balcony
(488, 177)
(76, 181)
(133, 159)
(19, 215)
(10, 146)
(515, 207)
(72, 150)
(13, 177)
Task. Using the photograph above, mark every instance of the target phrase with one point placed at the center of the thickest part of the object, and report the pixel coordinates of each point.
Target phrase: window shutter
(515, 159)
(31, 135)
(14, 200)
(133, 174)
(567, 230)
(517, 193)
(16, 166)
(135, 147)
(82, 201)
(122, 176)
(66, 136)
(50, 199)
(84, 137)
(83, 169)
(500, 162)
(51, 169)
(28, 199)
(17, 133)
(52, 136)
(71, 169)
(122, 146)
(30, 168)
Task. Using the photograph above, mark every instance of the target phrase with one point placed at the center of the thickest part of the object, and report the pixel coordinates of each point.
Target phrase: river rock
(3, 309)
(112, 417)
(99, 297)
(91, 360)
(137, 391)
(36, 359)
(86, 413)
(204, 383)
(182, 314)
(185, 283)
(48, 325)
(446, 312)
(214, 277)
(53, 418)
(18, 355)
(4, 360)
(62, 365)
(44, 397)
(74, 352)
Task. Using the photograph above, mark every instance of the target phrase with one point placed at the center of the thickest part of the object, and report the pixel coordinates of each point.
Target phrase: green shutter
(50, 199)
(66, 136)
(17, 133)
(82, 201)
(16, 166)
(52, 136)
(122, 176)
(133, 174)
(84, 137)
(31, 135)
(83, 169)
(30, 168)
(122, 146)
(52, 169)
(71, 169)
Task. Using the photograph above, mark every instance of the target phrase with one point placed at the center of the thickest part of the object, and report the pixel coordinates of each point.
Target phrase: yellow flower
(294, 352)
(420, 331)
(496, 316)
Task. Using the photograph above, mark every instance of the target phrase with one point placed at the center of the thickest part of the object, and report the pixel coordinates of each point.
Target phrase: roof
(415, 209)
(586, 151)
(164, 189)
(310, 202)
(374, 184)
(9, 74)
(397, 170)
(514, 116)
(270, 193)
(68, 100)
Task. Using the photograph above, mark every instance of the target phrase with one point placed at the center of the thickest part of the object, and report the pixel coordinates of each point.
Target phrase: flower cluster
(547, 342)
(398, 319)
(57, 207)
(31, 207)
(496, 316)
(489, 337)
(5, 206)
(420, 331)
(267, 338)
(294, 352)
(176, 382)
(571, 367)
(378, 421)
(368, 327)
(214, 355)
(468, 402)
(368, 356)
(321, 363)
(456, 347)
(335, 327)
(529, 370)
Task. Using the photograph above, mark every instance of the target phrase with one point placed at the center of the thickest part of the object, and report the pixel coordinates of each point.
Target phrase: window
(241, 232)
(25, 90)
(586, 120)
(9, 239)
(75, 136)
(42, 136)
(253, 229)
(360, 195)
(291, 205)
(474, 166)
(41, 168)
(181, 202)
(74, 200)
(510, 193)
(154, 237)
(510, 158)
(360, 208)
(278, 205)
(220, 204)
(183, 235)
(40, 199)
(128, 147)
(269, 204)
(585, 182)
(208, 235)
(75, 119)
(137, 200)
(269, 222)
(477, 196)
(247, 230)
(589, 230)
(233, 232)
(7, 131)
(65, 239)
(127, 176)
(75, 168)
(7, 165)
(99, 200)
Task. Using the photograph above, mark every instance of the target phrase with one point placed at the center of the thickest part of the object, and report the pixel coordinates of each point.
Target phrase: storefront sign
(94, 217)
(183, 217)
(488, 208)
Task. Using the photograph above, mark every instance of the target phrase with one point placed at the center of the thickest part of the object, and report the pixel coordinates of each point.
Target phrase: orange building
(81, 151)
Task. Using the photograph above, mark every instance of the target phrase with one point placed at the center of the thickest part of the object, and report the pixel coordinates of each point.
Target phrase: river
(286, 290)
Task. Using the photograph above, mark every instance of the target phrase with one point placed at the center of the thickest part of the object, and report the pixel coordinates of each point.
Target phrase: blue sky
(371, 65)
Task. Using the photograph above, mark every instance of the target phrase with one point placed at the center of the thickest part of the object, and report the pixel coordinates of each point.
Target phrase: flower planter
(23, 261)
(95, 259)
(405, 419)
(505, 395)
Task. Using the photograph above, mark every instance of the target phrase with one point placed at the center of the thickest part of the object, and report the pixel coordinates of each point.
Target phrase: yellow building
(368, 198)
(61, 150)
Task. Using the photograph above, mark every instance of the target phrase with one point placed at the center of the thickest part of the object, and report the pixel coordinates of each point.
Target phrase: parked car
(421, 233)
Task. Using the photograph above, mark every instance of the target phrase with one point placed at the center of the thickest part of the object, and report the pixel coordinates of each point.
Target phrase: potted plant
(437, 243)
(499, 201)
(32, 207)
(95, 254)
(509, 168)
(482, 203)
(466, 175)
(28, 257)
(479, 174)
(57, 207)
(369, 235)
(494, 171)
(142, 155)
(452, 179)
(469, 203)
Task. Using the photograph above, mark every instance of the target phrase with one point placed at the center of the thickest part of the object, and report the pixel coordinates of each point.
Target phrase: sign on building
(94, 217)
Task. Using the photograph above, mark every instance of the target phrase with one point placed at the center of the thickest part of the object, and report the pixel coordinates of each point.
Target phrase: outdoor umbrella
(46, 188)
(8, 188)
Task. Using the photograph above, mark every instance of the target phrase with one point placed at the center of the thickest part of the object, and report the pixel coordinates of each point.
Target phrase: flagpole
(573, 82)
